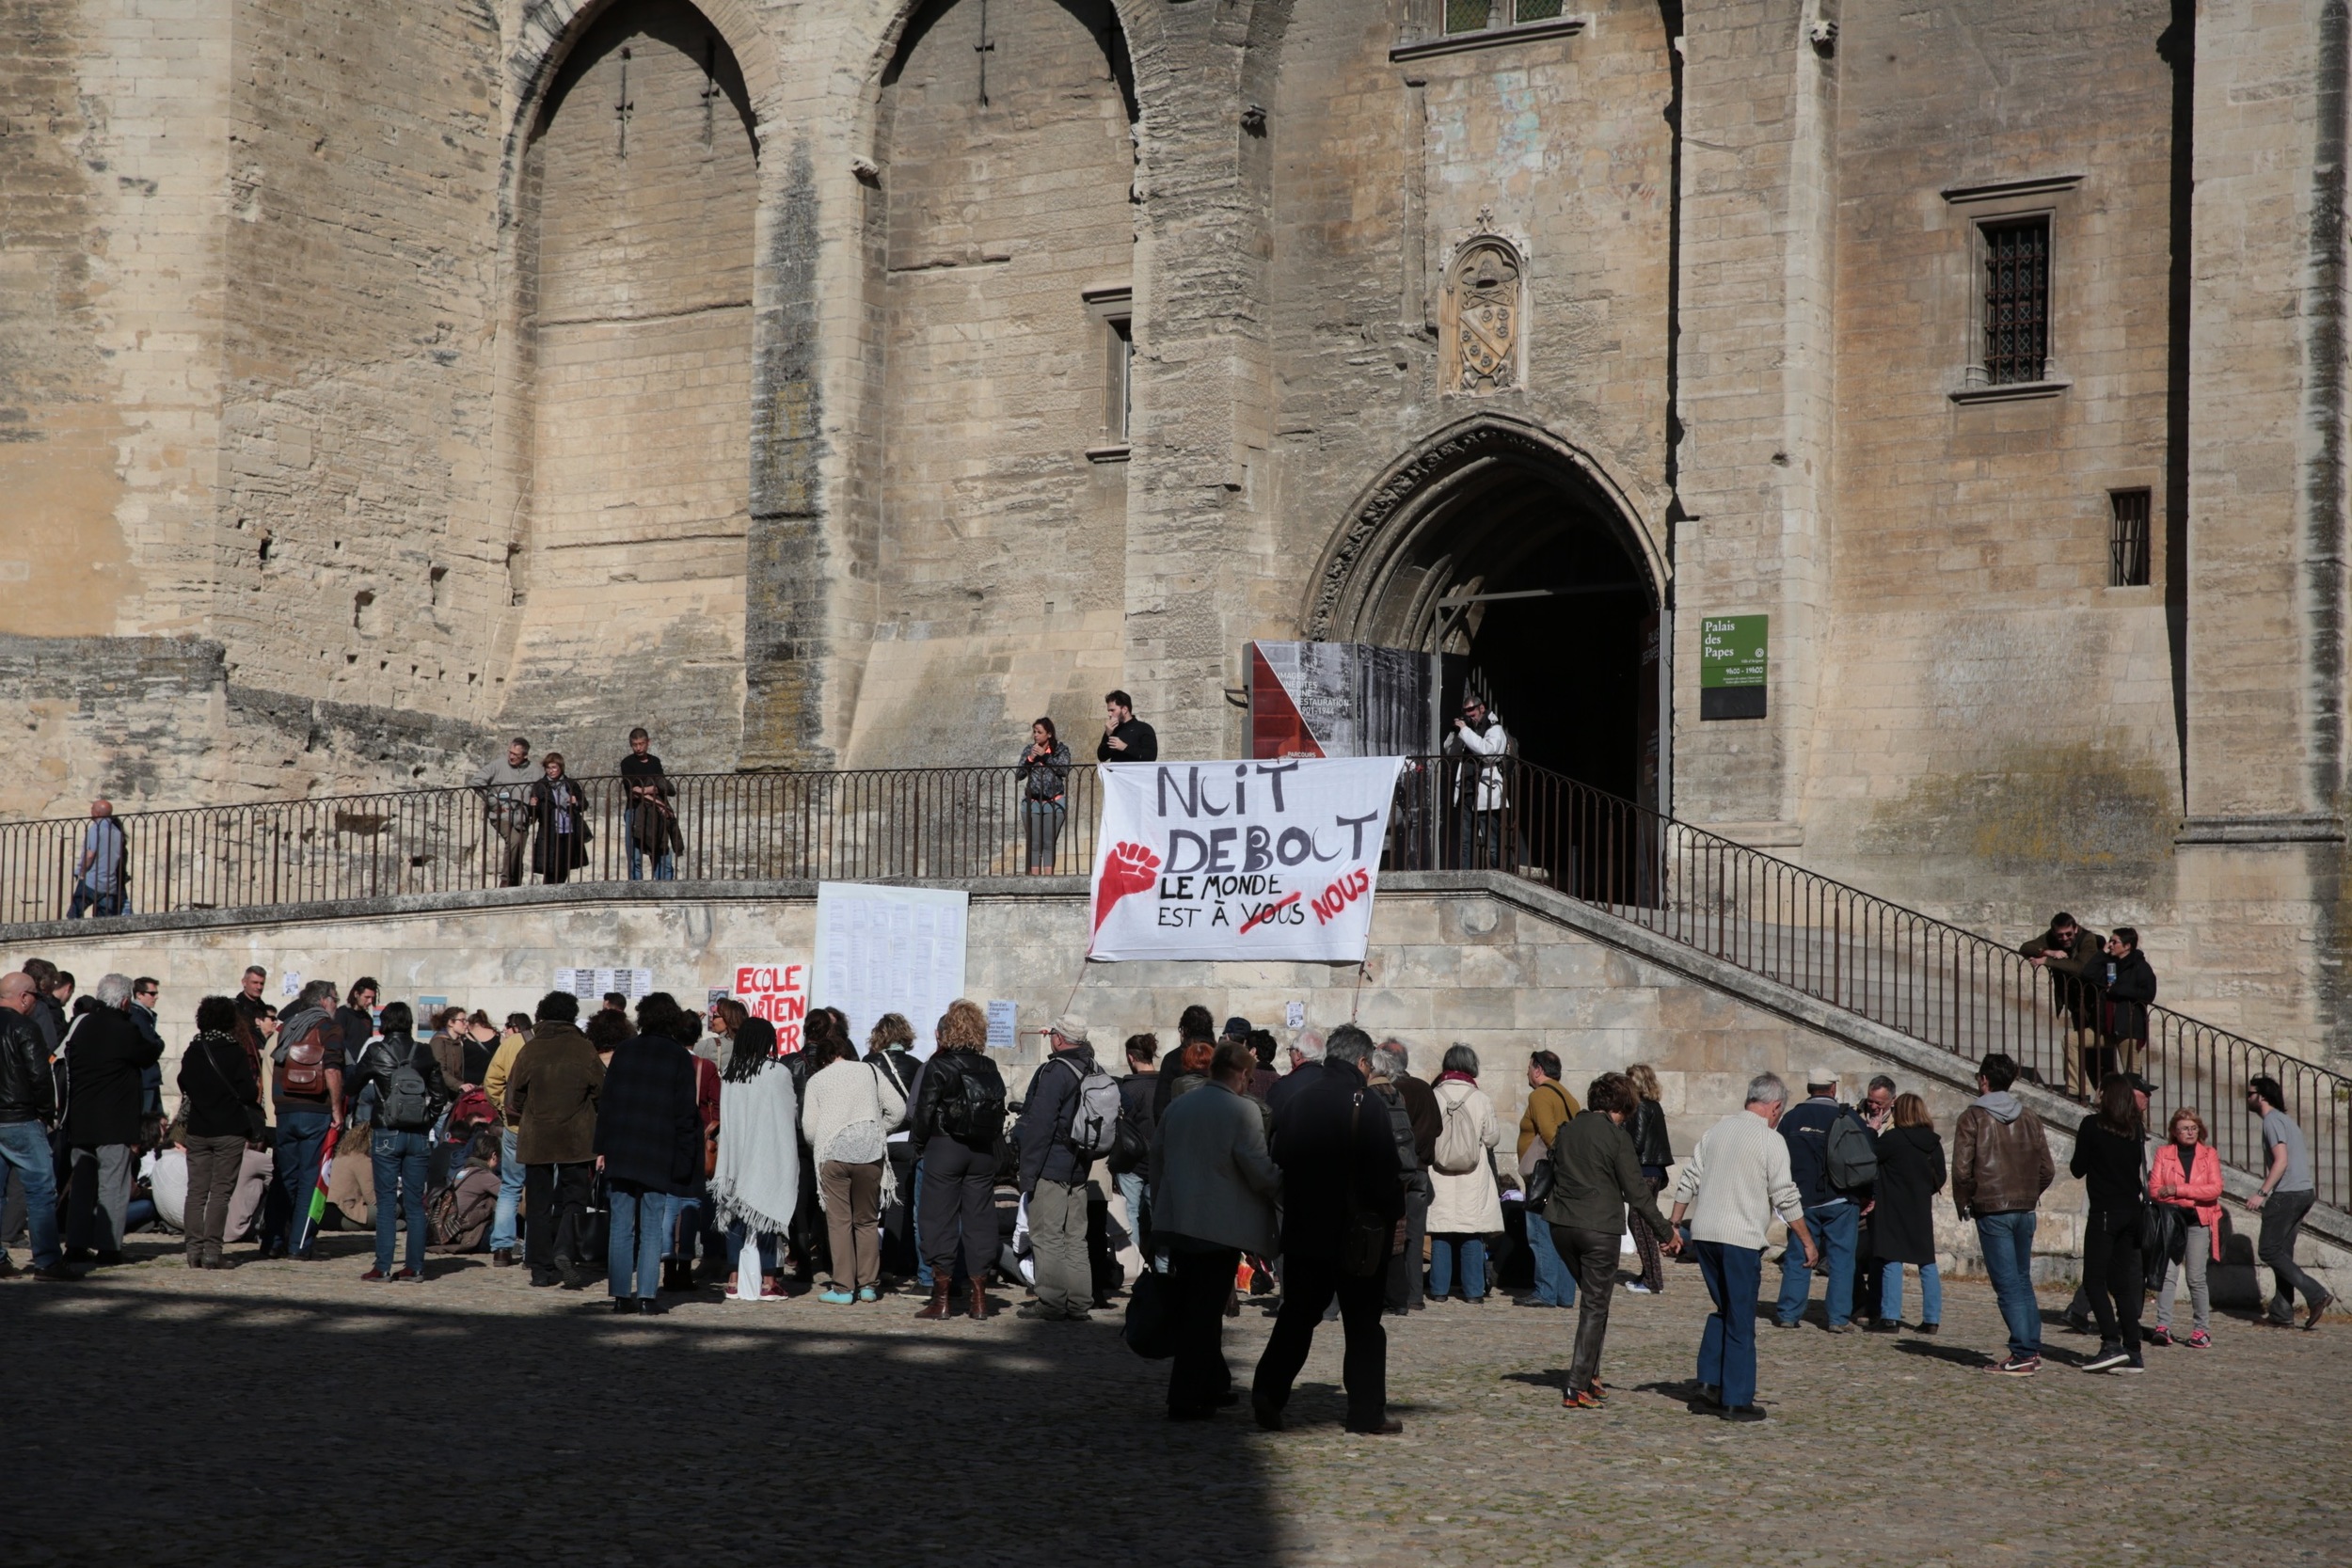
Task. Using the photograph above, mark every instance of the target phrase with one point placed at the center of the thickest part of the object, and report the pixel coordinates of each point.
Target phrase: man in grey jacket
(1216, 1185)
(1053, 1177)
(505, 791)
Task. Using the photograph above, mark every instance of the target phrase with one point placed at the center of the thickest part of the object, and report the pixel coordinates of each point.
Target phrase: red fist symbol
(1131, 868)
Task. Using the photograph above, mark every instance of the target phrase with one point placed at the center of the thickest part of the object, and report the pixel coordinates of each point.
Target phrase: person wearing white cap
(1055, 1167)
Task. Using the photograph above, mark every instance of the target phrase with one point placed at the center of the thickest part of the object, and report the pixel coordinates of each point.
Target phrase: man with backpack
(307, 1088)
(409, 1094)
(1070, 1119)
(1834, 1161)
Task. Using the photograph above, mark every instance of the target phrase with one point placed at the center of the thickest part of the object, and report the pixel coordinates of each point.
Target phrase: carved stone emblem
(1481, 320)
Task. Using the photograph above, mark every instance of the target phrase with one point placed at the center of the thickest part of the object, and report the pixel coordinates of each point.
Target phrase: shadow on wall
(368, 1424)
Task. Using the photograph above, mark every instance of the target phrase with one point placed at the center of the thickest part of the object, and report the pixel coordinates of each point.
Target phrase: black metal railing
(1896, 967)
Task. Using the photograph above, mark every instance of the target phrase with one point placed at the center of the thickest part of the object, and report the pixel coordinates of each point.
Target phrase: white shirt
(1736, 1180)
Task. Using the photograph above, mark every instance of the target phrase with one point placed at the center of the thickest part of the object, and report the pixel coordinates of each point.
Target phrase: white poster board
(889, 950)
(1240, 860)
(590, 983)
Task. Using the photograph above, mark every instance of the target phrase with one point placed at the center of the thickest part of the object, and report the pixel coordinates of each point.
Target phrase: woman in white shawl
(757, 1183)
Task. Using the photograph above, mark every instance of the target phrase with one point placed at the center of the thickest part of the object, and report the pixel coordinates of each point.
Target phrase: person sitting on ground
(2187, 1175)
(472, 1207)
(1596, 1179)
(1217, 1185)
(1902, 1220)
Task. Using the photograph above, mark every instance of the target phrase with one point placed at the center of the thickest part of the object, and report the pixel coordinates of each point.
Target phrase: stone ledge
(1489, 37)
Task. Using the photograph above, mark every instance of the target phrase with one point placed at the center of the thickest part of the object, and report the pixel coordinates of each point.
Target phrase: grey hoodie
(2002, 1105)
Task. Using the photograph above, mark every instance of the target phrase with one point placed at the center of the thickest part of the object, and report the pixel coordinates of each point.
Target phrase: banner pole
(1355, 1006)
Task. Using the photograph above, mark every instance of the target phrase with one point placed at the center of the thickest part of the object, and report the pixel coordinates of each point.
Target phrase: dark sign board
(1734, 660)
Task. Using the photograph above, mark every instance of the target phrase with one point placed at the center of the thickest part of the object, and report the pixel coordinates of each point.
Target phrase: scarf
(759, 1178)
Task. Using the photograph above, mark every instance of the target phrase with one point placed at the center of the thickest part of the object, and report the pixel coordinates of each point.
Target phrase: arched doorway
(1506, 551)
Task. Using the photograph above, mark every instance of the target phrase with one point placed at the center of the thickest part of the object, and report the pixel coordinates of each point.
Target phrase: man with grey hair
(1730, 1187)
(505, 791)
(306, 1087)
(1306, 1050)
(105, 1057)
(98, 875)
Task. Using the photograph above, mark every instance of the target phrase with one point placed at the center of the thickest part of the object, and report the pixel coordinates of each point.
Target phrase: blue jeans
(1727, 1349)
(1555, 1283)
(2008, 1243)
(1135, 1193)
(399, 1174)
(25, 1148)
(89, 899)
(639, 1227)
(738, 1238)
(1891, 1293)
(286, 1215)
(510, 1194)
(1473, 1255)
(664, 865)
(1834, 1226)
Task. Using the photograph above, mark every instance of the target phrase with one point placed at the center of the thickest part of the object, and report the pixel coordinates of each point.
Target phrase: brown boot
(979, 1301)
(938, 1307)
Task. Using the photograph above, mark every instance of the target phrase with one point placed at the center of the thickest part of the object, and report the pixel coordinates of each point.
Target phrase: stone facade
(845, 384)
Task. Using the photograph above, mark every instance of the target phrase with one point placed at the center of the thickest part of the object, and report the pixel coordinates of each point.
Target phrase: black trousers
(1406, 1286)
(1593, 1256)
(1198, 1283)
(959, 1210)
(557, 1198)
(1308, 1286)
(898, 1219)
(2111, 1275)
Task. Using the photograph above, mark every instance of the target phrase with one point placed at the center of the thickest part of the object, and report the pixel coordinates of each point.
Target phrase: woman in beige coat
(1465, 1207)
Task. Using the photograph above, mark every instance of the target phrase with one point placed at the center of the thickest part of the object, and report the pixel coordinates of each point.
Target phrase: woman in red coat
(2187, 1173)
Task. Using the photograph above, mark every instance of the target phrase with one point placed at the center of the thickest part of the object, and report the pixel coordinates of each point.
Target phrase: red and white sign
(779, 994)
(1240, 860)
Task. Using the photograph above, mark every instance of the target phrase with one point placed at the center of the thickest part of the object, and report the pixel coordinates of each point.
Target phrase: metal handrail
(1896, 967)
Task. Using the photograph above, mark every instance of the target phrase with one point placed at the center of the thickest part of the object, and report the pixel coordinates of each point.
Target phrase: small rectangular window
(1469, 16)
(1537, 10)
(1119, 375)
(2127, 538)
(1478, 16)
(2016, 300)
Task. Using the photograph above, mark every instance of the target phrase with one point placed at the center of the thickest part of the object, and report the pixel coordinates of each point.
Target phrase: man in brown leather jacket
(2001, 1165)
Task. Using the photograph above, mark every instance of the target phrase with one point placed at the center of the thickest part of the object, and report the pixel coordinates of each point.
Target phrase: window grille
(2016, 300)
(1469, 16)
(2128, 539)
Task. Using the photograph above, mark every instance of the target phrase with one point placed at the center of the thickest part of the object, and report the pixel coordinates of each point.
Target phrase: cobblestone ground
(285, 1413)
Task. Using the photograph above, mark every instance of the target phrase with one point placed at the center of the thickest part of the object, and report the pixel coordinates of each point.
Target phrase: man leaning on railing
(505, 791)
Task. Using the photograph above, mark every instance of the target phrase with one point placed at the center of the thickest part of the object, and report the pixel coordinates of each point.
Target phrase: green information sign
(1733, 657)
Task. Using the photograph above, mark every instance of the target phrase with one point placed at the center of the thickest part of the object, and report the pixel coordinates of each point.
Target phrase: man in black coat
(28, 1104)
(1125, 738)
(104, 1062)
(649, 1140)
(1340, 1168)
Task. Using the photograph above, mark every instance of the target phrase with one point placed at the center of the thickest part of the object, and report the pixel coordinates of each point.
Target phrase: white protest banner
(779, 994)
(889, 950)
(1240, 860)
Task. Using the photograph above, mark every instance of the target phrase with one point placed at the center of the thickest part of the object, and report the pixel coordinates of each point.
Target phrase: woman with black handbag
(2107, 1158)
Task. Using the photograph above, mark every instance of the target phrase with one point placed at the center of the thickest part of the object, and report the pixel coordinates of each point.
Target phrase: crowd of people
(666, 1150)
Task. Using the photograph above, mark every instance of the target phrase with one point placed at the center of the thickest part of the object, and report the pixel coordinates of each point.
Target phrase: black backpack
(407, 1099)
(973, 1111)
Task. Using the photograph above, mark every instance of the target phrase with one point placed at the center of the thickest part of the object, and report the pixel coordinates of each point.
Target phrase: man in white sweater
(1730, 1187)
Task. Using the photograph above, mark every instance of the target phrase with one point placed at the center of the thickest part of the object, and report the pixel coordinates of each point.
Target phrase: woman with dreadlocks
(757, 1183)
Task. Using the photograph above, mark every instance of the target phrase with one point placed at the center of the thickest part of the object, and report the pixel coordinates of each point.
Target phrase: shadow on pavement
(334, 1422)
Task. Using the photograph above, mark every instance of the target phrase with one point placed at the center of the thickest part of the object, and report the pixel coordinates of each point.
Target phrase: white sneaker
(1637, 1287)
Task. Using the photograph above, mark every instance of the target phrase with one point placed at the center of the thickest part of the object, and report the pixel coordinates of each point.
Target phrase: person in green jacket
(1595, 1176)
